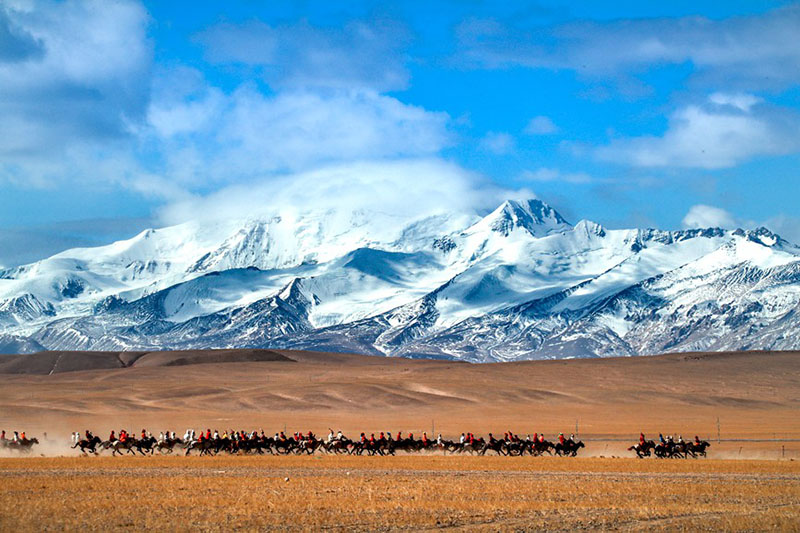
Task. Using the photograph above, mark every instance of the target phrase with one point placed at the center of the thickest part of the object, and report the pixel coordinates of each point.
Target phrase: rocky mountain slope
(517, 283)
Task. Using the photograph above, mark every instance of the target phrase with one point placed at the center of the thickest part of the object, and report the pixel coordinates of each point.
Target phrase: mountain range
(517, 283)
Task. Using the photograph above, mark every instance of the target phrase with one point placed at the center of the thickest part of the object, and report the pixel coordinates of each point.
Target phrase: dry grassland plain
(751, 480)
(409, 492)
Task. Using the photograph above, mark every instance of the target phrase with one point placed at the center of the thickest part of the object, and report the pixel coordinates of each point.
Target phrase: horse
(699, 448)
(497, 446)
(569, 448)
(118, 445)
(643, 450)
(205, 447)
(146, 444)
(541, 446)
(168, 445)
(23, 445)
(88, 444)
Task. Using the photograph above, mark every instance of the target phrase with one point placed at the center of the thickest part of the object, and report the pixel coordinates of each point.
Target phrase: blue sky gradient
(112, 113)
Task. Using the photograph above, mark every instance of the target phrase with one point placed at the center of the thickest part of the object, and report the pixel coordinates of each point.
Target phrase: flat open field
(388, 493)
(754, 397)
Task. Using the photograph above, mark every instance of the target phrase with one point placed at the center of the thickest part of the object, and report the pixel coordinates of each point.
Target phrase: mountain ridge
(517, 283)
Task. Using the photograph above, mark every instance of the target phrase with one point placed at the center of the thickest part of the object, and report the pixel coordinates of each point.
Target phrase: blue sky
(118, 115)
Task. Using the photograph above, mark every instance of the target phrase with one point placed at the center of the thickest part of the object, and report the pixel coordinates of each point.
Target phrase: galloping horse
(88, 444)
(569, 448)
(23, 445)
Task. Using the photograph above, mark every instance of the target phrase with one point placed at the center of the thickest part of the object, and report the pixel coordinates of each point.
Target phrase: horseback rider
(462, 439)
(112, 438)
(331, 436)
(3, 435)
(424, 438)
(439, 439)
(16, 437)
(697, 440)
(641, 439)
(399, 433)
(572, 438)
(23, 438)
(561, 438)
(661, 439)
(88, 435)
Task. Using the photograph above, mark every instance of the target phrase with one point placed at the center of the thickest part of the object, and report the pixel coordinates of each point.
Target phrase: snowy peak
(533, 216)
(518, 283)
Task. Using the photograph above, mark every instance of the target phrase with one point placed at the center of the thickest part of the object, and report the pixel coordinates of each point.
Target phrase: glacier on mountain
(517, 283)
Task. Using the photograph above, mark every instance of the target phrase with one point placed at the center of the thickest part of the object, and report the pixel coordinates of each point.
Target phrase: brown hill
(752, 394)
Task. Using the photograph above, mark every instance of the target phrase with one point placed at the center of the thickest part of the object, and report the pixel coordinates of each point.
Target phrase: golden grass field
(751, 480)
(392, 493)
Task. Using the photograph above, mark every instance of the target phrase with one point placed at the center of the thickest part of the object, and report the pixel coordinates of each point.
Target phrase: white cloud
(214, 137)
(498, 142)
(741, 101)
(749, 52)
(359, 54)
(75, 85)
(707, 216)
(541, 125)
(716, 136)
(551, 174)
(404, 188)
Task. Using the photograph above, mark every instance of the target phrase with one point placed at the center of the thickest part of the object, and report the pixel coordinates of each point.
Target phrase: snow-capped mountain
(517, 283)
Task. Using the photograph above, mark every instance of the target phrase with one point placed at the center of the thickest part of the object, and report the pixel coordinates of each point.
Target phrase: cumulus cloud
(750, 52)
(707, 216)
(541, 125)
(407, 188)
(723, 132)
(74, 79)
(213, 137)
(359, 54)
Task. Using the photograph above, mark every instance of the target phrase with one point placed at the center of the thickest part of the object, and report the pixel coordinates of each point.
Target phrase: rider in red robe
(561, 438)
(112, 437)
(641, 439)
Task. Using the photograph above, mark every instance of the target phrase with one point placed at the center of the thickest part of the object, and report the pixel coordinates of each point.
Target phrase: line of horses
(299, 444)
(670, 449)
(309, 444)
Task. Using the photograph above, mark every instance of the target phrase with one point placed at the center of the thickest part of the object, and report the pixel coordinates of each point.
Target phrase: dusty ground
(411, 493)
(753, 395)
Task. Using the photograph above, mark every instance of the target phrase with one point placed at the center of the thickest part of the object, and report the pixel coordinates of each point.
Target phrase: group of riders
(669, 447)
(19, 441)
(213, 442)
